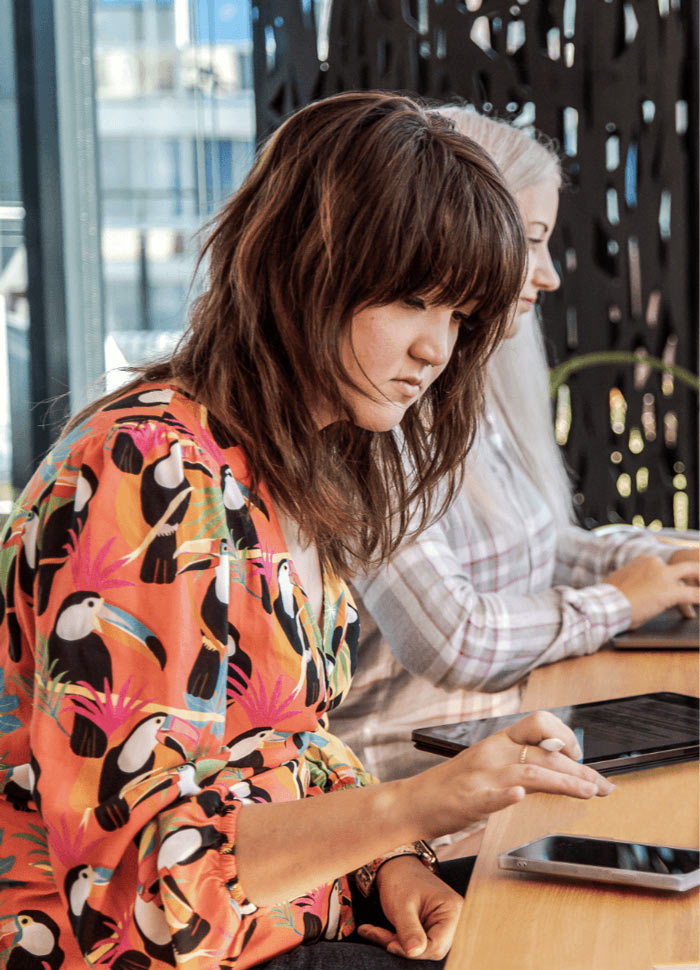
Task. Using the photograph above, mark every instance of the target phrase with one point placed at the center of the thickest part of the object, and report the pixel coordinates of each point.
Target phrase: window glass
(14, 310)
(176, 126)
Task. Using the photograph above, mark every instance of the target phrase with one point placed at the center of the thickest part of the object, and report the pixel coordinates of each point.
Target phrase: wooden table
(513, 921)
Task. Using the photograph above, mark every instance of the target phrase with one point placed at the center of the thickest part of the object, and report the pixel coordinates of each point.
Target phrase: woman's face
(394, 353)
(538, 205)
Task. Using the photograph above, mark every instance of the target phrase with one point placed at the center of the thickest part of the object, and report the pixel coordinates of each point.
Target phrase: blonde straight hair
(517, 389)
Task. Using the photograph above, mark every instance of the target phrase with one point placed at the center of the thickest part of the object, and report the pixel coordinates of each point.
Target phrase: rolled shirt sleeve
(584, 557)
(439, 626)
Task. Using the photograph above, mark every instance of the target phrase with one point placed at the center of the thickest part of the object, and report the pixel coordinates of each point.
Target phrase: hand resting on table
(351, 826)
(484, 778)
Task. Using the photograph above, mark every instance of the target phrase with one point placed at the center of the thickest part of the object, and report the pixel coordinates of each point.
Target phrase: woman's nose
(546, 276)
(435, 341)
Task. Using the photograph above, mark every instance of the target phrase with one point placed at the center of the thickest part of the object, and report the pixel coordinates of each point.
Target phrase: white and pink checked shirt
(454, 623)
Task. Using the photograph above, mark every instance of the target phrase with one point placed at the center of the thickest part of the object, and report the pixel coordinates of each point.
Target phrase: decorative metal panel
(615, 83)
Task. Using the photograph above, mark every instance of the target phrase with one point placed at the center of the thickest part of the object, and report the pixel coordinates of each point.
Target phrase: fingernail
(578, 753)
(414, 947)
(551, 744)
(605, 787)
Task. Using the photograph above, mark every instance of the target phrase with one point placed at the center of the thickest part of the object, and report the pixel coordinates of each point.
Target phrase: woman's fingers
(651, 585)
(685, 576)
(376, 934)
(491, 800)
(686, 594)
(684, 571)
(559, 763)
(538, 778)
(543, 724)
(412, 938)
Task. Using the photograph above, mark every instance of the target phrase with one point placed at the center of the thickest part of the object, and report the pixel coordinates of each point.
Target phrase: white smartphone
(607, 860)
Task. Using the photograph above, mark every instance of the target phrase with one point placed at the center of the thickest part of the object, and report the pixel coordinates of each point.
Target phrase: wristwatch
(366, 875)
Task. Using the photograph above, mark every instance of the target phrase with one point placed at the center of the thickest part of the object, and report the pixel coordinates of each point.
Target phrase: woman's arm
(349, 827)
(439, 627)
(653, 576)
(584, 557)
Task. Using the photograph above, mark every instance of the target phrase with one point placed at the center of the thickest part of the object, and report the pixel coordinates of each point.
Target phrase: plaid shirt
(470, 608)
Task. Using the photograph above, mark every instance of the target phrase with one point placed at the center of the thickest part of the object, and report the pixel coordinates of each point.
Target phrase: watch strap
(366, 875)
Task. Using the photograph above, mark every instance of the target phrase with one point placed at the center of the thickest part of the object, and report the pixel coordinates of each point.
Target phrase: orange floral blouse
(160, 667)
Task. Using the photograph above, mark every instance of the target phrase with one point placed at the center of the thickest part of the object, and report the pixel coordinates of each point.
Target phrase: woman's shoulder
(128, 432)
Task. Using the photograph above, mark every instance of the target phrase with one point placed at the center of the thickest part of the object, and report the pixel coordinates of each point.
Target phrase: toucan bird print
(153, 928)
(240, 666)
(208, 669)
(191, 927)
(154, 397)
(55, 545)
(77, 647)
(162, 483)
(35, 944)
(18, 787)
(244, 750)
(13, 627)
(286, 609)
(238, 519)
(89, 925)
(79, 652)
(28, 553)
(135, 756)
(188, 845)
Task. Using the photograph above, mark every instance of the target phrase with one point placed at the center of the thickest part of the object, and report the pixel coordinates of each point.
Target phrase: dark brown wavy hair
(364, 198)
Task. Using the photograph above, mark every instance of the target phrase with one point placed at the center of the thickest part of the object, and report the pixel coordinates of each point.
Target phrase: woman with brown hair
(174, 621)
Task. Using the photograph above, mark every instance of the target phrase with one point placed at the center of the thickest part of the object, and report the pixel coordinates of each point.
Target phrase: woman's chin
(517, 321)
(380, 417)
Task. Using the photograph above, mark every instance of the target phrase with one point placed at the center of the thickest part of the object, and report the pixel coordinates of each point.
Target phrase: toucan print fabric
(159, 668)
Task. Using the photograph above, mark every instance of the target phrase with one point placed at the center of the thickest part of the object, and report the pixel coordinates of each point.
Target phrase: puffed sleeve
(130, 629)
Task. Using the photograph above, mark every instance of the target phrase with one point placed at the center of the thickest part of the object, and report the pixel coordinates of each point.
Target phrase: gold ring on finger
(523, 754)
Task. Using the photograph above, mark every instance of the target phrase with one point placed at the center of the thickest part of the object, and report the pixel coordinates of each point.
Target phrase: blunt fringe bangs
(361, 199)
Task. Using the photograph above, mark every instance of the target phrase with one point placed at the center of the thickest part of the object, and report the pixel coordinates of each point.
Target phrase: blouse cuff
(227, 864)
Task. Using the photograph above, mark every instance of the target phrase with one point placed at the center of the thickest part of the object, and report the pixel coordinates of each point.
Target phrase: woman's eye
(414, 302)
(535, 242)
(466, 321)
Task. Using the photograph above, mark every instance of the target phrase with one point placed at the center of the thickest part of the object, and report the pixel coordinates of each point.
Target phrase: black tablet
(667, 631)
(621, 734)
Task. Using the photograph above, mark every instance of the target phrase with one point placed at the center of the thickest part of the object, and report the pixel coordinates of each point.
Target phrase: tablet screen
(627, 727)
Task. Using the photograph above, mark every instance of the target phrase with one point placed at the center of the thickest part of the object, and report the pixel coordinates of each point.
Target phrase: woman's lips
(409, 386)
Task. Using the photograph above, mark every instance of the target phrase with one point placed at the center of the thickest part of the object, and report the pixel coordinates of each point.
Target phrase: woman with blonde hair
(504, 581)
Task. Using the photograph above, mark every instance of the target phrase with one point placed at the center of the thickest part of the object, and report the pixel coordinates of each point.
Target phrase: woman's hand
(350, 826)
(687, 555)
(493, 774)
(652, 586)
(423, 909)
